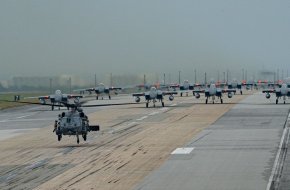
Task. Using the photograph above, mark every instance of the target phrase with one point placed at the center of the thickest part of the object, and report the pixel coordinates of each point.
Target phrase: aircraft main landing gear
(78, 140)
(85, 137)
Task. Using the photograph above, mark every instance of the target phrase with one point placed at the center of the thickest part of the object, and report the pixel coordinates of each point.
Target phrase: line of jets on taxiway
(155, 93)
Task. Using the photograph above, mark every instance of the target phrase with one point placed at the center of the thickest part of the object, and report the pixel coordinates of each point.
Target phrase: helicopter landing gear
(85, 137)
(59, 137)
(78, 140)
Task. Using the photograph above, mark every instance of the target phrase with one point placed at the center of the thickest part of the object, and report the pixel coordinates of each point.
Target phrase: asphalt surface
(220, 149)
(237, 152)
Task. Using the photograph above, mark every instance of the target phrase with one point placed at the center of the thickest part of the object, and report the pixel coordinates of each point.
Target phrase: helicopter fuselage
(73, 123)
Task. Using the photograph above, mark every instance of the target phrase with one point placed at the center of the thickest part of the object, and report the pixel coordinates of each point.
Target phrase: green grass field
(10, 97)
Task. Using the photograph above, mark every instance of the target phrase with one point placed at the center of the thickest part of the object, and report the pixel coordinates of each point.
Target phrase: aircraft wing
(198, 85)
(115, 88)
(183, 91)
(74, 96)
(85, 89)
(174, 85)
(228, 90)
(169, 92)
(269, 91)
(199, 91)
(138, 94)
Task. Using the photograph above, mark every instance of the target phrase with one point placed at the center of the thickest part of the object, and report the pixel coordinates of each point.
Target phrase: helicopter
(73, 122)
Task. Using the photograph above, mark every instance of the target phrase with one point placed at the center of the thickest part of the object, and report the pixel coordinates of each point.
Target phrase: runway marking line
(278, 154)
(153, 113)
(183, 150)
(140, 119)
(20, 117)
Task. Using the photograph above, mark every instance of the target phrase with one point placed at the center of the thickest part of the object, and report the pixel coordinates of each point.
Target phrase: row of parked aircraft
(156, 92)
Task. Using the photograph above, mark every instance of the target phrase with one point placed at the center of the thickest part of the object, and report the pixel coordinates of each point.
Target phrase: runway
(233, 142)
(236, 152)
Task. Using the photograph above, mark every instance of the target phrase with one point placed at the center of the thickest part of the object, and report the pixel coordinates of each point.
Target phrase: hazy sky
(51, 37)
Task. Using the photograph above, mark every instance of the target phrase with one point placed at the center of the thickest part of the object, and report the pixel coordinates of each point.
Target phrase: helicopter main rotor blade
(23, 102)
(99, 105)
(65, 104)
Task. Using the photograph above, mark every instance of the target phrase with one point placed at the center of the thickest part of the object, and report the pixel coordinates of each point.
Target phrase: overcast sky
(52, 37)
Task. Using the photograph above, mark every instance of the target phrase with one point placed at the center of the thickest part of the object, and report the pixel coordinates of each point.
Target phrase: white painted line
(186, 150)
(153, 113)
(278, 155)
(140, 119)
(164, 109)
(20, 117)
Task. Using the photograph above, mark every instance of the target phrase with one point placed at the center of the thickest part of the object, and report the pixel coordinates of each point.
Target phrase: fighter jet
(234, 84)
(153, 95)
(282, 91)
(100, 90)
(213, 91)
(58, 98)
(186, 87)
